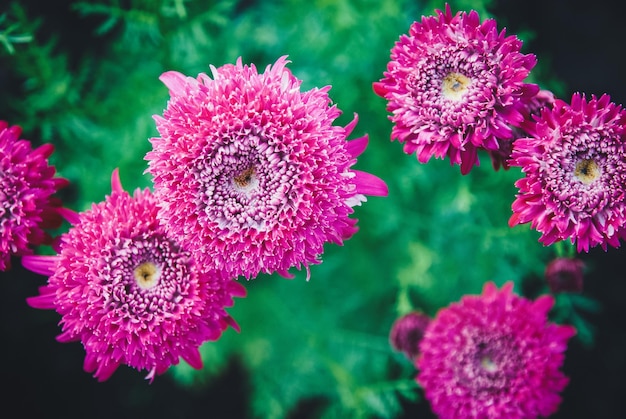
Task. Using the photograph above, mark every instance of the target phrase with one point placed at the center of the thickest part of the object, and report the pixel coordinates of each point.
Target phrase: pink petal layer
(369, 184)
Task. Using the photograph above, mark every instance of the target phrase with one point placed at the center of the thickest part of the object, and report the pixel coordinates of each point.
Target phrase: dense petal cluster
(128, 292)
(574, 163)
(251, 171)
(494, 355)
(27, 186)
(455, 85)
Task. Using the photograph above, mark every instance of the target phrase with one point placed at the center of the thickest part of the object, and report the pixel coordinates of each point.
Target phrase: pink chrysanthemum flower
(574, 163)
(455, 85)
(251, 172)
(494, 355)
(27, 186)
(128, 292)
(500, 157)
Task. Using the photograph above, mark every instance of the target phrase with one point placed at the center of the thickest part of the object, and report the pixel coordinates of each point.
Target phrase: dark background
(580, 42)
(583, 41)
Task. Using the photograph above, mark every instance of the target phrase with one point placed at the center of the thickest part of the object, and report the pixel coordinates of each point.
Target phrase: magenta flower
(494, 355)
(565, 275)
(130, 293)
(500, 157)
(27, 186)
(250, 171)
(455, 85)
(407, 332)
(574, 163)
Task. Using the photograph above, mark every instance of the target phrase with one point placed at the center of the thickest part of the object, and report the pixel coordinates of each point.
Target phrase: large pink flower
(252, 172)
(129, 292)
(494, 355)
(574, 163)
(455, 85)
(27, 185)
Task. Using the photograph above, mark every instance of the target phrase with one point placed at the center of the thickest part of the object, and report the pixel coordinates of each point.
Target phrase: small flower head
(129, 292)
(251, 171)
(574, 163)
(27, 186)
(407, 332)
(455, 85)
(565, 275)
(494, 355)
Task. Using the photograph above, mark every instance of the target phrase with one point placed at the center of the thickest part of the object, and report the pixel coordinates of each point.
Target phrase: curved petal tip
(369, 184)
(116, 183)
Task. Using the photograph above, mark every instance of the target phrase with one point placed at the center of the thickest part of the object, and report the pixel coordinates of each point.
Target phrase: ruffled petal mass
(252, 172)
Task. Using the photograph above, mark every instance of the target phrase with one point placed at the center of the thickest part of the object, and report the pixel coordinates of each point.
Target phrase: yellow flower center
(488, 364)
(587, 171)
(147, 275)
(246, 180)
(454, 86)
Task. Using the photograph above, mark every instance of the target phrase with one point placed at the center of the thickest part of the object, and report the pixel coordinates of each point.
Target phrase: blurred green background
(84, 76)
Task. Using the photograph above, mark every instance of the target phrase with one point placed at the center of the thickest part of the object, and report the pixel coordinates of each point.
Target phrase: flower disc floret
(574, 162)
(251, 171)
(455, 85)
(493, 355)
(129, 292)
(27, 186)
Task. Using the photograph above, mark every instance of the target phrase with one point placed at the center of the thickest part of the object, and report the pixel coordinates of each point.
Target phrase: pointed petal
(237, 289)
(116, 183)
(175, 82)
(350, 127)
(44, 150)
(68, 337)
(543, 304)
(368, 184)
(72, 217)
(379, 89)
(151, 375)
(105, 371)
(42, 302)
(357, 146)
(193, 358)
(43, 265)
(232, 323)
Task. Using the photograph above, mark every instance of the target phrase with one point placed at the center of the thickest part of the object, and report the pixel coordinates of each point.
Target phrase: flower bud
(565, 275)
(407, 332)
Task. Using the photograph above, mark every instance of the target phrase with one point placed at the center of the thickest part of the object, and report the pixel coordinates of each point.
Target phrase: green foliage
(437, 236)
(8, 35)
